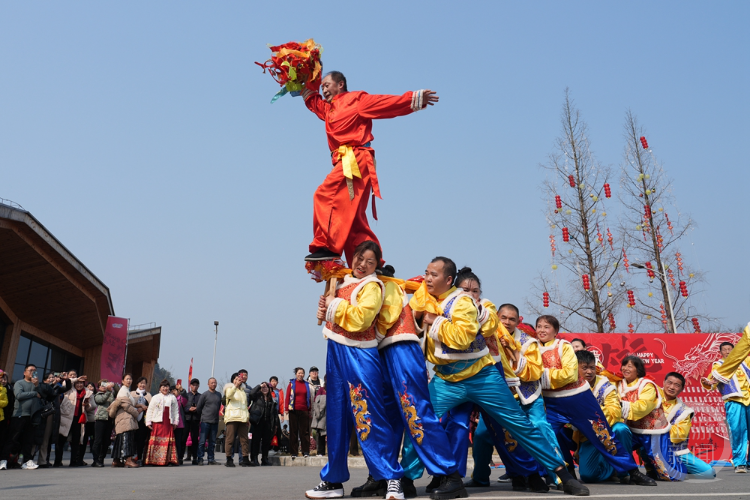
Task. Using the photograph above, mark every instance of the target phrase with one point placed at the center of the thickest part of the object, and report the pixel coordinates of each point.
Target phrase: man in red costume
(340, 219)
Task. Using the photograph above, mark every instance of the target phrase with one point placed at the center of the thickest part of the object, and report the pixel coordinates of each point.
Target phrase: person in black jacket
(50, 391)
(192, 421)
(263, 419)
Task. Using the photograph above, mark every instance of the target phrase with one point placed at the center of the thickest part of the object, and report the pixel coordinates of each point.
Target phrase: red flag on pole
(190, 373)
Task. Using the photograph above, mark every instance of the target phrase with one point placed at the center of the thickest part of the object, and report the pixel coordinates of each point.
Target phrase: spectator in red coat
(298, 404)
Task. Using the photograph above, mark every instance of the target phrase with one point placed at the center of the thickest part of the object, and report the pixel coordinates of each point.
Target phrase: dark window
(46, 357)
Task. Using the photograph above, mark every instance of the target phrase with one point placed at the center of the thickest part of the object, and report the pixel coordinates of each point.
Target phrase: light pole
(216, 338)
(663, 277)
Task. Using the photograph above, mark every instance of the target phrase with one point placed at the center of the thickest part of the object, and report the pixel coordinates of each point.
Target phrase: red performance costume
(340, 202)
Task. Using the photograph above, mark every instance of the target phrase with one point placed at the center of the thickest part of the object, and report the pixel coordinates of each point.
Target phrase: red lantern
(586, 282)
(650, 270)
(631, 298)
(669, 223)
(630, 328)
(679, 261)
(610, 240)
(696, 325)
(647, 210)
(552, 243)
(599, 236)
(625, 260)
(607, 190)
(566, 234)
(644, 143)
(558, 201)
(545, 299)
(612, 325)
(671, 278)
(683, 289)
(572, 181)
(660, 241)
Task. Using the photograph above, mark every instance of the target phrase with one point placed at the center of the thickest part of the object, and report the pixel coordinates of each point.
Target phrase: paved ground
(193, 482)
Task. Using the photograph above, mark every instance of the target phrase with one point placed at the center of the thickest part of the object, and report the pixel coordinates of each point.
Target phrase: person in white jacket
(162, 417)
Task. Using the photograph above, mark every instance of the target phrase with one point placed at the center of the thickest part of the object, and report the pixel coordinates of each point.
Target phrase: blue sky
(141, 135)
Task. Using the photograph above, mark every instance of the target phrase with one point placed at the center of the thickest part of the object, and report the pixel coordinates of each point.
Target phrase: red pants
(340, 224)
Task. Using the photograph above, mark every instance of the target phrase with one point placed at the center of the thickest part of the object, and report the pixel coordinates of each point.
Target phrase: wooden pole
(330, 291)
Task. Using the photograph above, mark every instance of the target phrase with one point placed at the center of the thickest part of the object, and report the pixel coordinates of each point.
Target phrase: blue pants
(489, 390)
(738, 423)
(583, 411)
(697, 467)
(208, 431)
(657, 454)
(354, 398)
(592, 465)
(407, 403)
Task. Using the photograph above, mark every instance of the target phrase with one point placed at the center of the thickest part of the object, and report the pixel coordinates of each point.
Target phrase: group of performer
(543, 405)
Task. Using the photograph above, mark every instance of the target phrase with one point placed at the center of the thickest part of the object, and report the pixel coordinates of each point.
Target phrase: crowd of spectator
(169, 428)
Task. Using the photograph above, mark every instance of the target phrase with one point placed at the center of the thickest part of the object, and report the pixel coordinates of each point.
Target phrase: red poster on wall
(689, 354)
(113, 348)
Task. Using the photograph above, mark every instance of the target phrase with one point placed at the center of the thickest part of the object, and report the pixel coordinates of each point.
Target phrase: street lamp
(213, 363)
(663, 276)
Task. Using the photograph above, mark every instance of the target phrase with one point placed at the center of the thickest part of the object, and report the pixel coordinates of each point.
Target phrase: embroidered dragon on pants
(604, 436)
(410, 414)
(362, 419)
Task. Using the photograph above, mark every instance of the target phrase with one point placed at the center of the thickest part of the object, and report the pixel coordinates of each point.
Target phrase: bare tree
(655, 231)
(580, 283)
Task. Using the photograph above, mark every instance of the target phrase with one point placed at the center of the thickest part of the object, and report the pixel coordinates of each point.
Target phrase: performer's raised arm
(390, 106)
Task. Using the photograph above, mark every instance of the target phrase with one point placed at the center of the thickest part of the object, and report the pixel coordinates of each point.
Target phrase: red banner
(689, 354)
(113, 349)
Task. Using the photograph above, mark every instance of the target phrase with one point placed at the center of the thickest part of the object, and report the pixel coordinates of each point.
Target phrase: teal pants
(489, 390)
(697, 467)
(592, 466)
(738, 422)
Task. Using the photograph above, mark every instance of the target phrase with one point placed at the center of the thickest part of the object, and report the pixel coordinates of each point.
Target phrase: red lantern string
(696, 325)
(558, 201)
(566, 234)
(679, 261)
(671, 279)
(650, 270)
(625, 261)
(545, 299)
(660, 241)
(612, 324)
(683, 289)
(610, 240)
(647, 210)
(586, 282)
(599, 236)
(644, 143)
(607, 191)
(630, 328)
(572, 181)
(663, 316)
(669, 224)
(552, 243)
(631, 298)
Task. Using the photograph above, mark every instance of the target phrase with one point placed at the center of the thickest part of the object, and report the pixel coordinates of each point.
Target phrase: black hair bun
(465, 269)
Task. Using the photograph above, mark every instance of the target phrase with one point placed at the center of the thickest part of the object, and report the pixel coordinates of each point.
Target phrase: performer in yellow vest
(355, 380)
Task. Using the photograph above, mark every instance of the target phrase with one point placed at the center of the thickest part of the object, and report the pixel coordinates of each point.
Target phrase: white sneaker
(30, 465)
(3, 464)
(394, 492)
(326, 490)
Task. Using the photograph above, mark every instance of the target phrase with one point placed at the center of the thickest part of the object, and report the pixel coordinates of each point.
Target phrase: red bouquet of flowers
(295, 66)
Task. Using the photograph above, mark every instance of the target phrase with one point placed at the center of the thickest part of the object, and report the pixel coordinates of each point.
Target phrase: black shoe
(505, 478)
(230, 462)
(96, 464)
(73, 464)
(57, 464)
(473, 483)
(198, 462)
(264, 461)
(81, 463)
(410, 491)
(386, 270)
(434, 484)
(451, 487)
(179, 461)
(573, 487)
(254, 463)
(245, 462)
(655, 476)
(194, 461)
(640, 479)
(537, 484)
(326, 490)
(322, 254)
(519, 483)
(47, 466)
(371, 488)
(213, 462)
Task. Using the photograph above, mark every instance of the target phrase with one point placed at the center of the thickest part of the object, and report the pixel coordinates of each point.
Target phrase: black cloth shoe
(473, 483)
(230, 462)
(434, 484)
(573, 487)
(519, 483)
(505, 478)
(254, 463)
(537, 484)
(322, 254)
(451, 487)
(96, 464)
(245, 462)
(371, 488)
(326, 490)
(410, 491)
(640, 479)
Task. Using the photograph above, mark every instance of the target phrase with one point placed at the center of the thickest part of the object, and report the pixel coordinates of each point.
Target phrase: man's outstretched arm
(391, 106)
